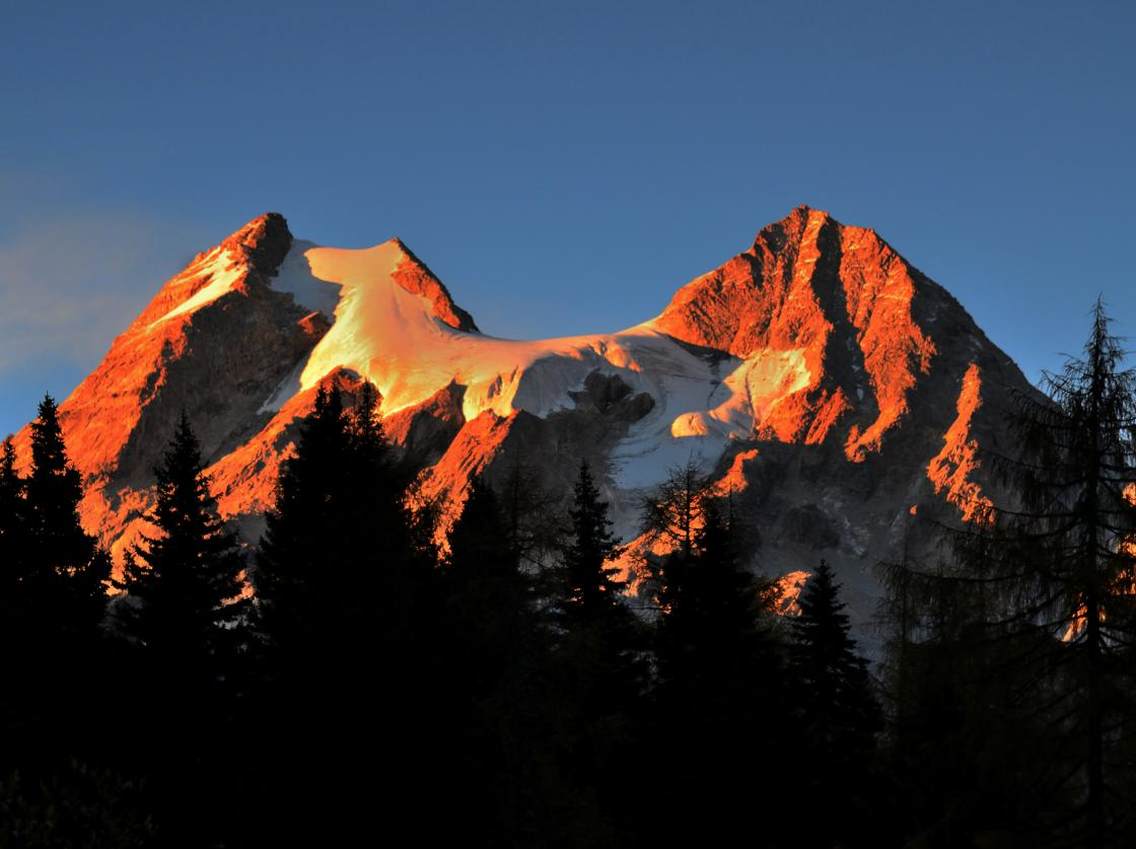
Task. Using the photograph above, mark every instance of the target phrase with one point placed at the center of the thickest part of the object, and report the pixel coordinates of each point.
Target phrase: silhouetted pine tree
(1065, 562)
(13, 534)
(1015, 663)
(54, 606)
(346, 619)
(183, 619)
(337, 551)
(965, 753)
(66, 585)
(493, 680)
(184, 582)
(600, 659)
(721, 700)
(303, 547)
(592, 593)
(712, 608)
(393, 563)
(488, 597)
(838, 715)
(13, 611)
(839, 711)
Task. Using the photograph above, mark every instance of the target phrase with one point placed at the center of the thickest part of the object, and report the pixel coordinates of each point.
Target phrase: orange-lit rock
(446, 483)
(413, 276)
(952, 469)
(878, 291)
(842, 296)
(789, 589)
(821, 381)
(735, 480)
(244, 480)
(213, 341)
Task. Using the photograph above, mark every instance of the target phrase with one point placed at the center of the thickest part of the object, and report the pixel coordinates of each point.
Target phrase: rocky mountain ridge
(831, 388)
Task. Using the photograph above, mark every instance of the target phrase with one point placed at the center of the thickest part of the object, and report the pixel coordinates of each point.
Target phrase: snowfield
(392, 337)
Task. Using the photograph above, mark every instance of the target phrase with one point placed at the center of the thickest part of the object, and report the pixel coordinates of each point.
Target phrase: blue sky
(563, 167)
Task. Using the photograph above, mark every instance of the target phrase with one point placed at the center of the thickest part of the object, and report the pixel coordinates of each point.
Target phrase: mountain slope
(826, 384)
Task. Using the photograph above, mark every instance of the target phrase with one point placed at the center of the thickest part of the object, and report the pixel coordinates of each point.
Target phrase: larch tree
(1029, 630)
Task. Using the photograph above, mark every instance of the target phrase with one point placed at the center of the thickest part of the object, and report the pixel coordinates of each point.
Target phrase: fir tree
(592, 593)
(492, 677)
(184, 583)
(184, 620)
(346, 622)
(391, 564)
(66, 583)
(838, 708)
(488, 597)
(337, 554)
(600, 659)
(713, 611)
(837, 713)
(13, 531)
(54, 607)
(720, 702)
(296, 585)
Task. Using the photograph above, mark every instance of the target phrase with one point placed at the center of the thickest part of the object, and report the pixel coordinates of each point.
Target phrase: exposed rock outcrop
(833, 391)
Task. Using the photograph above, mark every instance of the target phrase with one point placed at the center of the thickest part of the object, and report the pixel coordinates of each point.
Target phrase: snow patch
(295, 278)
(223, 272)
(391, 337)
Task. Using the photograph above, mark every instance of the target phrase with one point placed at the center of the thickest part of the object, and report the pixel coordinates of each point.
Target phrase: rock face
(834, 391)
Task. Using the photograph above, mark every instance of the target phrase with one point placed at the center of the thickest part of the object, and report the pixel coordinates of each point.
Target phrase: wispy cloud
(72, 280)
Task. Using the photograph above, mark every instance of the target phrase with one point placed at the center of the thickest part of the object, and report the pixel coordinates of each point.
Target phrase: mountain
(838, 394)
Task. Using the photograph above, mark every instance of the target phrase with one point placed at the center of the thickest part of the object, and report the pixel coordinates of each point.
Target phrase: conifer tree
(837, 705)
(345, 620)
(1026, 635)
(13, 531)
(337, 555)
(13, 603)
(184, 582)
(837, 714)
(599, 661)
(310, 654)
(714, 613)
(592, 593)
(488, 597)
(674, 513)
(721, 698)
(304, 541)
(390, 561)
(54, 606)
(65, 585)
(533, 521)
(1066, 561)
(183, 618)
(491, 676)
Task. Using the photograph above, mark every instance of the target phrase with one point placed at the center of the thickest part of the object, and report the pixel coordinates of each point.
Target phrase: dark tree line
(1011, 667)
(348, 681)
(347, 678)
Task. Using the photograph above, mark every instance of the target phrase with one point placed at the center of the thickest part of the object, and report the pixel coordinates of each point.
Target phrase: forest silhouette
(348, 680)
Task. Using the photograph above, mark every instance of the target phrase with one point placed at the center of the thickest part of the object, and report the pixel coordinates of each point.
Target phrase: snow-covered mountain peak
(816, 375)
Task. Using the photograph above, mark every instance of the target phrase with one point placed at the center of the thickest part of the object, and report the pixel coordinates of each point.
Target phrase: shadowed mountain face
(831, 388)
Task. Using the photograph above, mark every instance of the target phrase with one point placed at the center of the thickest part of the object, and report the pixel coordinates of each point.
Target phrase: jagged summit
(263, 237)
(817, 375)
